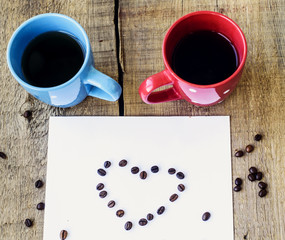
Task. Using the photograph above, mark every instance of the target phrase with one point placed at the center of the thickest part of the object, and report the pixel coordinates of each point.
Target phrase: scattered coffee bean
(206, 216)
(251, 177)
(41, 206)
(28, 222)
(173, 197)
(181, 187)
(100, 186)
(171, 171)
(239, 153)
(262, 193)
(103, 194)
(107, 164)
(180, 175)
(120, 213)
(252, 170)
(258, 176)
(237, 188)
(238, 181)
(111, 204)
(149, 217)
(143, 175)
(101, 172)
(161, 210)
(135, 170)
(123, 163)
(63, 234)
(27, 114)
(154, 169)
(262, 185)
(257, 137)
(39, 184)
(3, 155)
(128, 225)
(142, 222)
(249, 148)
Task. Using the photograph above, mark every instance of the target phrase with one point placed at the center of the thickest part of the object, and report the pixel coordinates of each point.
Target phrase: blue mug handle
(102, 86)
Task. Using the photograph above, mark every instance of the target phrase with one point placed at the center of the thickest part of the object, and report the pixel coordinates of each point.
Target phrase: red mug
(200, 95)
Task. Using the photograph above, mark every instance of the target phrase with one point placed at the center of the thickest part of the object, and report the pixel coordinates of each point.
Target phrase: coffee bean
(142, 222)
(135, 170)
(171, 171)
(252, 170)
(123, 163)
(180, 175)
(143, 175)
(107, 164)
(101, 172)
(120, 213)
(262, 193)
(128, 225)
(27, 114)
(239, 153)
(28, 222)
(173, 197)
(103, 194)
(63, 234)
(257, 137)
(154, 169)
(3, 155)
(258, 176)
(206, 216)
(181, 187)
(149, 217)
(238, 181)
(111, 204)
(251, 177)
(41, 206)
(262, 185)
(160, 210)
(39, 184)
(249, 148)
(100, 186)
(237, 188)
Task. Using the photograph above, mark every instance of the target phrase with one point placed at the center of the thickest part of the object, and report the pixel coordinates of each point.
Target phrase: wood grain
(25, 142)
(257, 105)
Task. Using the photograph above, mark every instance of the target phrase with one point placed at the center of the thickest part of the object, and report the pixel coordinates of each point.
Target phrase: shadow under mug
(200, 95)
(86, 82)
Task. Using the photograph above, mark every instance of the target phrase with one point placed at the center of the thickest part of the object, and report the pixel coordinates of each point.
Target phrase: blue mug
(86, 82)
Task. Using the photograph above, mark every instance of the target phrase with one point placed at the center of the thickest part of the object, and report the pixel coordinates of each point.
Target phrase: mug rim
(24, 24)
(214, 85)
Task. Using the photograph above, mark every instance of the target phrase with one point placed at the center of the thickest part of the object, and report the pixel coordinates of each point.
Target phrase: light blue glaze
(88, 80)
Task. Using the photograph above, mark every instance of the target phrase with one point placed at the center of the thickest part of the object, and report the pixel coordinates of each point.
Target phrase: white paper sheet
(197, 146)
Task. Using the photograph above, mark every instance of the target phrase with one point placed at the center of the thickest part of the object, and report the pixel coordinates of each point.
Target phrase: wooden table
(126, 38)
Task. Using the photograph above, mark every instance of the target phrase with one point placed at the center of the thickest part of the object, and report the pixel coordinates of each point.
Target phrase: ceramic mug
(86, 82)
(200, 95)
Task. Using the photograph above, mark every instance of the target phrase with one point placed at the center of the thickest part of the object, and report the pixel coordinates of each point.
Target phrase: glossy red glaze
(201, 95)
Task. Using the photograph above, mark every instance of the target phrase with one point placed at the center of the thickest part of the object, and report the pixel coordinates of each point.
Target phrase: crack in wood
(118, 49)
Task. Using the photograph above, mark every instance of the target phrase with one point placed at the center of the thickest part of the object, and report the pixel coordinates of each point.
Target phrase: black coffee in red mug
(204, 57)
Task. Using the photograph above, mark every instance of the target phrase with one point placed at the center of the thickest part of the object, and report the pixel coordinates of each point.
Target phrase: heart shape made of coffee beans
(143, 175)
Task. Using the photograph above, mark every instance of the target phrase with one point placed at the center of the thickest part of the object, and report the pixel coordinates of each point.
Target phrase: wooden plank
(143, 27)
(257, 105)
(25, 142)
(260, 98)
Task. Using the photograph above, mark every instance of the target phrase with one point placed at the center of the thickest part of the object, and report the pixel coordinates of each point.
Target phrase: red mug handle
(156, 81)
